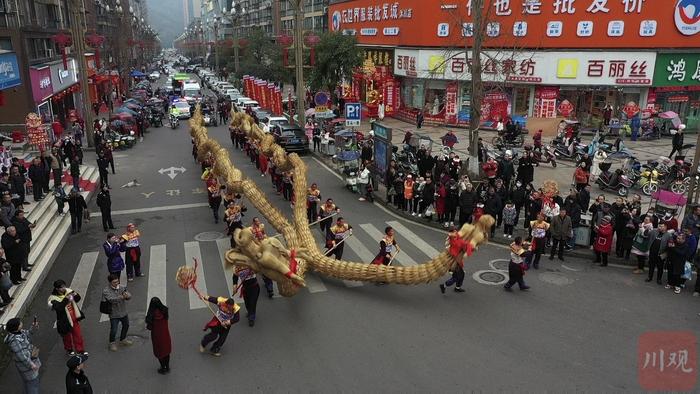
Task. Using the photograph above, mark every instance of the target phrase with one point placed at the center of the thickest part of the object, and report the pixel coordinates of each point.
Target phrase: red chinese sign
(565, 108)
(451, 103)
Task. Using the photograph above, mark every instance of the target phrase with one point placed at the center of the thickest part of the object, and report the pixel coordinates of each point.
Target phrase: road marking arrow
(172, 171)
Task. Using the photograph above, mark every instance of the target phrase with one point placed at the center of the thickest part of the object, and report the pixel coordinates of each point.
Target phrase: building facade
(548, 59)
(36, 78)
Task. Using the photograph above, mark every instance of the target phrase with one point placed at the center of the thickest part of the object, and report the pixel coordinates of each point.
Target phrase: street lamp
(232, 16)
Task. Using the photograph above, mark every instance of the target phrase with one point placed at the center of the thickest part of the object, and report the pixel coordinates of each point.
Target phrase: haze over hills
(166, 17)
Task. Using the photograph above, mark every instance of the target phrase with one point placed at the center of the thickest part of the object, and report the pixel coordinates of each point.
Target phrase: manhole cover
(555, 278)
(490, 277)
(208, 236)
(499, 264)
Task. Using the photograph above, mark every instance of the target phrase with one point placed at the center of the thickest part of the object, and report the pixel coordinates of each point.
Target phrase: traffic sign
(353, 114)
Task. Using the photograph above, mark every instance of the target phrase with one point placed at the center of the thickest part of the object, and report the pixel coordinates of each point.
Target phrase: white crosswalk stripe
(403, 258)
(192, 252)
(157, 274)
(413, 239)
(158, 279)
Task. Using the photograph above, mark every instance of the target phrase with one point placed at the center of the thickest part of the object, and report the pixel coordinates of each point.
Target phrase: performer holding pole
(336, 237)
(313, 196)
(225, 316)
(250, 290)
(327, 210)
(388, 248)
(456, 247)
(258, 230)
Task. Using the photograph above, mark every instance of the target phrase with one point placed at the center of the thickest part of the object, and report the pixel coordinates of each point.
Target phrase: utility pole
(299, 59)
(692, 193)
(477, 87)
(77, 27)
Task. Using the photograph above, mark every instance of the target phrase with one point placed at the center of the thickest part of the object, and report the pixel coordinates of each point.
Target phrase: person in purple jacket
(112, 247)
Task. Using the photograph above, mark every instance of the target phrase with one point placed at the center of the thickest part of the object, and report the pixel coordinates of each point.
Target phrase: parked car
(267, 122)
(291, 138)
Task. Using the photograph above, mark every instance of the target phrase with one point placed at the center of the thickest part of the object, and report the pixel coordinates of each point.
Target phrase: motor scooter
(547, 156)
(174, 122)
(616, 180)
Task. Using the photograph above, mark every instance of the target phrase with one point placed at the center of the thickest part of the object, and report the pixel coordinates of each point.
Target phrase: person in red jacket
(537, 140)
(603, 241)
(440, 200)
(581, 177)
(490, 169)
(157, 323)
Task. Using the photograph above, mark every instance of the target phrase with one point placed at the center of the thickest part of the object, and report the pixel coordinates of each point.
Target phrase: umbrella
(123, 116)
(137, 73)
(309, 112)
(668, 115)
(133, 106)
(117, 124)
(125, 110)
(325, 115)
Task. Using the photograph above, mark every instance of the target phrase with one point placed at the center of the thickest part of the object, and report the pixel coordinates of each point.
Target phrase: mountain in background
(166, 17)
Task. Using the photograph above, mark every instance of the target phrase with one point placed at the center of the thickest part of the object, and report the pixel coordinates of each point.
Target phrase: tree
(262, 58)
(337, 55)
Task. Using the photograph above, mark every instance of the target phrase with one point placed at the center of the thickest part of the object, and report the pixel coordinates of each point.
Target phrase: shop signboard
(677, 69)
(353, 114)
(390, 96)
(63, 78)
(42, 88)
(547, 24)
(382, 150)
(526, 67)
(9, 71)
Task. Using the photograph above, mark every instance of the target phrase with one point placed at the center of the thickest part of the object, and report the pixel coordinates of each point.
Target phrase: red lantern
(311, 40)
(62, 40)
(285, 41)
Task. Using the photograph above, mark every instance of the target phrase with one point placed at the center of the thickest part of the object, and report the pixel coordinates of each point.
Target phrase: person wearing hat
(24, 354)
(670, 221)
(76, 380)
(64, 301)
(225, 316)
(603, 240)
(132, 243)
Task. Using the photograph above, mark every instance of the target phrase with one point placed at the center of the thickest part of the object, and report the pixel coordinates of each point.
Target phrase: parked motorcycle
(616, 180)
(545, 157)
(501, 139)
(573, 151)
(155, 118)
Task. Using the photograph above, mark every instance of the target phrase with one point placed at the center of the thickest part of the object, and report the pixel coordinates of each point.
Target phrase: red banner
(278, 101)
(451, 103)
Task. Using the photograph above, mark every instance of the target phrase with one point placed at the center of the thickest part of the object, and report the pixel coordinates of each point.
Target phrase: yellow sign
(567, 68)
(321, 108)
(436, 64)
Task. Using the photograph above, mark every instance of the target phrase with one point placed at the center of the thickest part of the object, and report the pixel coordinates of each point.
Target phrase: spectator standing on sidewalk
(64, 301)
(5, 282)
(17, 186)
(7, 210)
(104, 201)
(603, 240)
(103, 168)
(677, 250)
(641, 244)
(117, 296)
(560, 230)
(46, 163)
(24, 354)
(56, 167)
(14, 254)
(76, 206)
(24, 232)
(75, 172)
(36, 175)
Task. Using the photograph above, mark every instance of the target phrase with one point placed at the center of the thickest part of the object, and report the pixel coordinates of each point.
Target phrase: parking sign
(353, 114)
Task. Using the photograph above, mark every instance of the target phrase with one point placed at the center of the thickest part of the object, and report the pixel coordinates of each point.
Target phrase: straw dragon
(271, 257)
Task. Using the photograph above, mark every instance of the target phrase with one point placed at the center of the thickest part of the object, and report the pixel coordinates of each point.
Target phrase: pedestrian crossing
(159, 260)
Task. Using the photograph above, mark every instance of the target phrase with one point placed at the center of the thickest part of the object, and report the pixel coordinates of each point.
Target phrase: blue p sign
(353, 114)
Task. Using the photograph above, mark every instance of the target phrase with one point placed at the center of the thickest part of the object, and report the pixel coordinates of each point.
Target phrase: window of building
(5, 43)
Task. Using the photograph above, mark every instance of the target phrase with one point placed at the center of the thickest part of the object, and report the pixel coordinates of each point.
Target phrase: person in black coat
(467, 201)
(584, 198)
(519, 197)
(677, 250)
(24, 232)
(428, 196)
(76, 380)
(534, 207)
(103, 168)
(104, 201)
(677, 142)
(37, 175)
(76, 206)
(526, 168)
(11, 243)
(17, 186)
(506, 170)
(493, 206)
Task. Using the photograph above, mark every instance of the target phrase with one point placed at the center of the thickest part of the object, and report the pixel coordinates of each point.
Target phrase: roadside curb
(579, 252)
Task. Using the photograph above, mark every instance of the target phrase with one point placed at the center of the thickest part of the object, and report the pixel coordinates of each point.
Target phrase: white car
(225, 87)
(241, 100)
(155, 75)
(233, 96)
(229, 92)
(268, 122)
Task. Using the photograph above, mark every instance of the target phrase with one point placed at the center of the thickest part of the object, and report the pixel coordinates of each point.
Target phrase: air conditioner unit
(325, 10)
(49, 52)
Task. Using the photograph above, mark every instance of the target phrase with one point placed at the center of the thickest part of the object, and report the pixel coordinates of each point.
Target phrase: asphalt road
(576, 329)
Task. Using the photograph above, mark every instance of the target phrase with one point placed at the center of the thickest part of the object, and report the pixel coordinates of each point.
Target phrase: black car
(291, 138)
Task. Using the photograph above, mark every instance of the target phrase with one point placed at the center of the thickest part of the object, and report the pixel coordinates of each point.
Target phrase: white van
(191, 90)
(251, 104)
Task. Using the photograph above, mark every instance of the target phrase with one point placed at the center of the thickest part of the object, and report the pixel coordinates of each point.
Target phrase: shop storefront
(677, 87)
(522, 84)
(64, 83)
(42, 90)
(374, 84)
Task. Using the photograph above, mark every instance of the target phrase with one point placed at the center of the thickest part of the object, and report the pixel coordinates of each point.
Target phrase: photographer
(24, 354)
